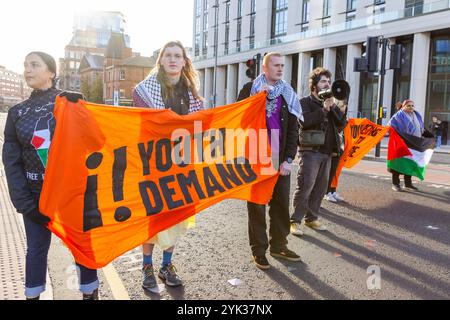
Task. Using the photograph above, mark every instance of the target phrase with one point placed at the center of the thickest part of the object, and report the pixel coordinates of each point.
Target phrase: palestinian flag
(408, 154)
(42, 137)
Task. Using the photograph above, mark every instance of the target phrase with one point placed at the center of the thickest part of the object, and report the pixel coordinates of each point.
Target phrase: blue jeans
(38, 244)
(438, 141)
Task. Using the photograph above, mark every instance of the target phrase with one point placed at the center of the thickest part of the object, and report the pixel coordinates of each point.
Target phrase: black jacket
(436, 128)
(289, 126)
(315, 118)
(28, 132)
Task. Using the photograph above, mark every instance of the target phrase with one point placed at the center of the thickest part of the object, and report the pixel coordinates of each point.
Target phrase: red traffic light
(250, 63)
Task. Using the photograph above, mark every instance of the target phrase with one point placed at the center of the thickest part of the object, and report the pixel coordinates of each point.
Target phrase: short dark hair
(316, 75)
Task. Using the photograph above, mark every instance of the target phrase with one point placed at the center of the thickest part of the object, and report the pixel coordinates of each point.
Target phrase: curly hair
(316, 75)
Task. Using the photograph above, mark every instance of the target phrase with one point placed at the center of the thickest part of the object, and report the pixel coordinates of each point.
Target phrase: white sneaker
(329, 197)
(296, 229)
(338, 197)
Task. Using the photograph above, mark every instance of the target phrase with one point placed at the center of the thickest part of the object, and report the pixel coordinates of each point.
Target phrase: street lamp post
(216, 47)
(384, 45)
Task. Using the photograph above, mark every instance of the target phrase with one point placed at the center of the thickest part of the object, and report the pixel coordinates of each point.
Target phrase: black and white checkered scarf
(149, 90)
(281, 88)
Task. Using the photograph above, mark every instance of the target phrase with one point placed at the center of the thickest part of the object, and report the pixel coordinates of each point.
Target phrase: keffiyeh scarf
(281, 88)
(149, 90)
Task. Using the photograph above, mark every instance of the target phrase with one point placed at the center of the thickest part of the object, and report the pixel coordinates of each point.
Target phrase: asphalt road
(375, 228)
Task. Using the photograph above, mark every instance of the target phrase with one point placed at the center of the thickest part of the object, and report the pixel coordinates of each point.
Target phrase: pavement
(380, 245)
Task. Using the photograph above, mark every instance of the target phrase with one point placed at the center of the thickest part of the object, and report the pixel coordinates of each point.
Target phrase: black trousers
(279, 219)
(334, 166)
(396, 179)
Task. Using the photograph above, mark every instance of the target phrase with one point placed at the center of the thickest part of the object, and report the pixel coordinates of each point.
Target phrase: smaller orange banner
(361, 135)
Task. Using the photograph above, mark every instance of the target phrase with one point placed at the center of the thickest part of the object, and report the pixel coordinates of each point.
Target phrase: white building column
(419, 72)
(201, 76)
(353, 78)
(304, 68)
(209, 75)
(329, 60)
(242, 77)
(232, 78)
(221, 85)
(287, 75)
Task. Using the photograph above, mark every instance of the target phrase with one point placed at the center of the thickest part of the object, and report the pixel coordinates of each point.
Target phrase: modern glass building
(329, 33)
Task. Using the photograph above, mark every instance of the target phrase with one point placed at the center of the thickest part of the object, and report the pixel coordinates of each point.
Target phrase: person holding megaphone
(318, 141)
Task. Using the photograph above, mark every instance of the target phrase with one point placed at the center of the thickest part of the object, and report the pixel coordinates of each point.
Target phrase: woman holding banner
(172, 84)
(28, 132)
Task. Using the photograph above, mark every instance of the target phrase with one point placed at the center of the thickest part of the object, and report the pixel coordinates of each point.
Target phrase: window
(326, 8)
(122, 93)
(239, 27)
(279, 18)
(198, 8)
(351, 5)
(252, 23)
(205, 43)
(197, 45)
(122, 75)
(305, 15)
(205, 28)
(438, 98)
(402, 76)
(341, 63)
(227, 27)
(198, 32)
(413, 7)
(239, 35)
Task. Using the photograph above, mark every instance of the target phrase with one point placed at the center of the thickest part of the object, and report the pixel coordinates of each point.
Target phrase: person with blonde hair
(283, 111)
(173, 84)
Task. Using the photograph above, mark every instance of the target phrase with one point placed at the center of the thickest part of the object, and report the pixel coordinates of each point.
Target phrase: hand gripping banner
(118, 176)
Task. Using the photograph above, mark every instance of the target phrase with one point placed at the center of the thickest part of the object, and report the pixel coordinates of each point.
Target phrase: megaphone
(340, 90)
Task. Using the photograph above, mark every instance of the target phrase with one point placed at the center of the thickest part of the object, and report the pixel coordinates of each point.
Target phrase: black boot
(92, 296)
(409, 185)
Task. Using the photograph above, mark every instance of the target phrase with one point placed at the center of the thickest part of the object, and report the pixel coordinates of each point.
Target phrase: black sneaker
(396, 188)
(411, 188)
(169, 275)
(92, 296)
(149, 279)
(285, 254)
(261, 262)
(35, 298)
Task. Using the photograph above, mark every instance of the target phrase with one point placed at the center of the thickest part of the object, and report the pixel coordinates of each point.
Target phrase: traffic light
(369, 60)
(360, 65)
(398, 56)
(372, 54)
(251, 71)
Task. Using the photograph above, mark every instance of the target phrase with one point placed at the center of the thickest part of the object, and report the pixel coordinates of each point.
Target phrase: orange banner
(361, 135)
(118, 176)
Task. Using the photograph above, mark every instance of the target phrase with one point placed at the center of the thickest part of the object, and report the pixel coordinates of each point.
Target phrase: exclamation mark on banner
(119, 167)
(92, 217)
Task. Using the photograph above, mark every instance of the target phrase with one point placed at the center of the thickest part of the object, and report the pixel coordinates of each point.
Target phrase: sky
(46, 25)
